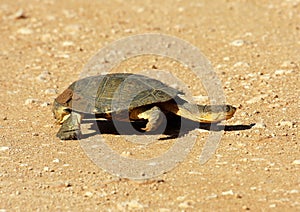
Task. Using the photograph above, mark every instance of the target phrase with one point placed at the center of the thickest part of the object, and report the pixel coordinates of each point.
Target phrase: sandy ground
(254, 47)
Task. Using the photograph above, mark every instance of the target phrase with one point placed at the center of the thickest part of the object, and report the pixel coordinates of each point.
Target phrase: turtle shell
(114, 92)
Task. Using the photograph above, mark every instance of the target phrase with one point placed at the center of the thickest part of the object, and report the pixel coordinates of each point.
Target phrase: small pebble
(56, 160)
(243, 113)
(282, 72)
(265, 77)
(245, 207)
(45, 104)
(180, 198)
(296, 162)
(140, 10)
(62, 55)
(241, 64)
(213, 196)
(237, 43)
(20, 14)
(239, 196)
(44, 76)
(25, 31)
(186, 204)
(288, 64)
(31, 101)
(67, 43)
(260, 125)
(46, 169)
(256, 99)
(88, 194)
(230, 192)
(294, 191)
(67, 184)
(128, 30)
(126, 153)
(279, 72)
(4, 148)
(50, 91)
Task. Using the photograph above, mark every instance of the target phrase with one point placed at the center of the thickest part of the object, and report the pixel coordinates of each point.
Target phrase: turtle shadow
(174, 127)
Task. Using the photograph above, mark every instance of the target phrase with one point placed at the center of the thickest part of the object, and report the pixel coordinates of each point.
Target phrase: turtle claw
(70, 129)
(69, 135)
(148, 128)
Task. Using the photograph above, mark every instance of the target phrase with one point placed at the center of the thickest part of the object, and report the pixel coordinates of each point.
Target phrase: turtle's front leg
(70, 129)
(155, 117)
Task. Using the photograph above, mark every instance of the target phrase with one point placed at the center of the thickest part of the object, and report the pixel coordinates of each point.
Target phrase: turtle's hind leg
(70, 129)
(154, 116)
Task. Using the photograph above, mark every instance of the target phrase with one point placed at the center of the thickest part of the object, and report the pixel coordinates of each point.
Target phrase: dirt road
(254, 47)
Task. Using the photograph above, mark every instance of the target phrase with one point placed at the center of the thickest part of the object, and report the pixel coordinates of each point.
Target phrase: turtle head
(60, 112)
(216, 113)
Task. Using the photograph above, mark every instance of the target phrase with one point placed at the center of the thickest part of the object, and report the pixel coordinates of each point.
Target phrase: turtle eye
(227, 108)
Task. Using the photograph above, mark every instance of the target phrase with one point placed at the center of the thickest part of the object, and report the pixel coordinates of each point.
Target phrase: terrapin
(126, 96)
